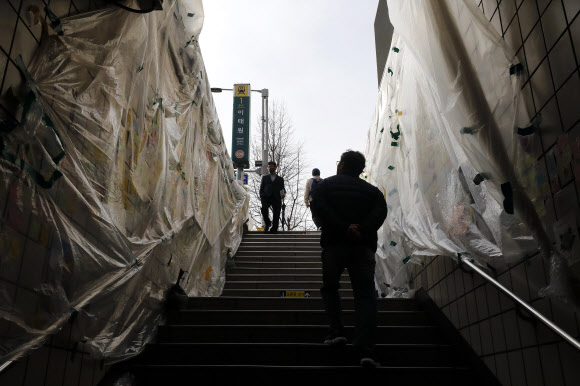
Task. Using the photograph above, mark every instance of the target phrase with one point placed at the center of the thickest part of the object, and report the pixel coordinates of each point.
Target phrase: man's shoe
(369, 362)
(337, 341)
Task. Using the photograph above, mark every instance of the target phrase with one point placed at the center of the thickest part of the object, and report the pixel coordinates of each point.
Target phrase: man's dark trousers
(276, 207)
(360, 262)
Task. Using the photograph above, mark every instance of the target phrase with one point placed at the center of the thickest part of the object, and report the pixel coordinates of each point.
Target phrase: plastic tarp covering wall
(117, 179)
(452, 147)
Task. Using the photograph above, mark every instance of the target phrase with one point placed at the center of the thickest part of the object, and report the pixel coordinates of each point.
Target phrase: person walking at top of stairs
(350, 211)
(271, 194)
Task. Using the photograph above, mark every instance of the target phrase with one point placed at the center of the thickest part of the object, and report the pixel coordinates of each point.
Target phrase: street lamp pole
(265, 137)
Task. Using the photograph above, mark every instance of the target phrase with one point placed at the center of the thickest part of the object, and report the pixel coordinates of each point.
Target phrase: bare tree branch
(288, 153)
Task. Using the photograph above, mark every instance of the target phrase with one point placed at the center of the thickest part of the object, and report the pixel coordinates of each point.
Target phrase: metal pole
(265, 160)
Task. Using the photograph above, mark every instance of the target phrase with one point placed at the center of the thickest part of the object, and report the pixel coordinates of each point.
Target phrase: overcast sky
(316, 56)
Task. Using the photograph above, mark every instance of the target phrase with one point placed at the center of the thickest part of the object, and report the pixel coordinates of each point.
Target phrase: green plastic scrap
(390, 71)
(393, 244)
(468, 130)
(190, 14)
(395, 49)
(395, 144)
(383, 129)
(181, 170)
(396, 135)
(391, 167)
(190, 41)
(406, 259)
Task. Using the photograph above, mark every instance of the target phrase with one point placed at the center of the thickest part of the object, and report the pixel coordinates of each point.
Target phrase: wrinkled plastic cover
(117, 179)
(449, 110)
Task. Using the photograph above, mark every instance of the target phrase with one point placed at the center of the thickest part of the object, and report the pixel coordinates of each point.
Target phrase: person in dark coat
(350, 212)
(271, 194)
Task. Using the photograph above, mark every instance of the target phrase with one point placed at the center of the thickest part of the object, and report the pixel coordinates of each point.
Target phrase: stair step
(274, 271)
(312, 253)
(270, 303)
(293, 375)
(286, 235)
(276, 292)
(274, 249)
(293, 354)
(281, 243)
(288, 285)
(269, 258)
(253, 317)
(274, 239)
(276, 264)
(288, 334)
(234, 277)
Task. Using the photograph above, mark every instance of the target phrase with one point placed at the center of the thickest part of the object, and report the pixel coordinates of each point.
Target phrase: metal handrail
(547, 322)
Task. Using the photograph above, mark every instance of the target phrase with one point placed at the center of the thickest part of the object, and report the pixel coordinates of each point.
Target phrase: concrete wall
(62, 360)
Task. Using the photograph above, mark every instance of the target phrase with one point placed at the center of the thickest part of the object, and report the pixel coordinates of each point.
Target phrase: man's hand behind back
(353, 233)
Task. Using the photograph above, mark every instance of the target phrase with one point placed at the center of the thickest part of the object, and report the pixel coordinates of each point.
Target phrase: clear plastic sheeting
(115, 183)
(452, 146)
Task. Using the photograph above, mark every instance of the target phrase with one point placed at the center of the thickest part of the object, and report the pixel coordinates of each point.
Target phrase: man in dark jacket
(350, 211)
(271, 194)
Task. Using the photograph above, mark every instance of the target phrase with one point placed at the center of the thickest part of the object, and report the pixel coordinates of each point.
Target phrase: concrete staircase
(253, 334)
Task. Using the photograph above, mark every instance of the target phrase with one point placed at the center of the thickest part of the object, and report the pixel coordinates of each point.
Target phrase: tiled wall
(519, 350)
(62, 361)
(546, 36)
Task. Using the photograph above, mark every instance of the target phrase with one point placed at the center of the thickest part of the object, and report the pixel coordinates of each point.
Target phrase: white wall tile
(550, 360)
(536, 275)
(490, 363)
(56, 367)
(503, 370)
(492, 299)
(527, 331)
(517, 371)
(37, 367)
(73, 369)
(510, 325)
(498, 333)
(570, 358)
(15, 374)
(520, 282)
(486, 337)
(462, 311)
(472, 314)
(533, 367)
(475, 339)
(481, 300)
